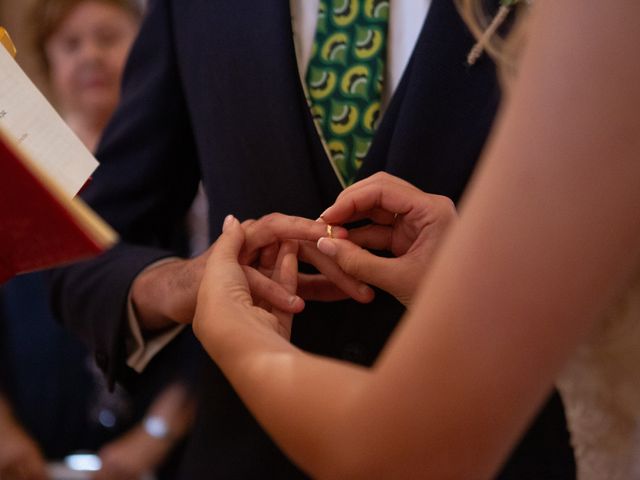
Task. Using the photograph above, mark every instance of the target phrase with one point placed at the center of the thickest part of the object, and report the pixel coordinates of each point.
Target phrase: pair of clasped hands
(251, 271)
(251, 275)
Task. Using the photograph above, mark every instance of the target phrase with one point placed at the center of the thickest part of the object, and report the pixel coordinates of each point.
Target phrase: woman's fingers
(355, 289)
(271, 292)
(223, 275)
(380, 191)
(230, 242)
(374, 237)
(376, 215)
(361, 264)
(318, 288)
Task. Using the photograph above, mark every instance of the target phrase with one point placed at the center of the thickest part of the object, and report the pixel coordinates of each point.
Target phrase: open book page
(27, 118)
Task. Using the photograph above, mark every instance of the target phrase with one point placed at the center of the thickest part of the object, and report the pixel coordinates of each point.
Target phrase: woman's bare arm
(549, 232)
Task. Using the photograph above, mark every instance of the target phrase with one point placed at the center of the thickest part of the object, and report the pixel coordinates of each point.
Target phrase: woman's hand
(227, 321)
(407, 222)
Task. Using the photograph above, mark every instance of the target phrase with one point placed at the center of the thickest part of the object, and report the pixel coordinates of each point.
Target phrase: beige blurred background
(14, 17)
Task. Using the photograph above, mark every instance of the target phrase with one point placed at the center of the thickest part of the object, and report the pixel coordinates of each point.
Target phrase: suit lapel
(255, 68)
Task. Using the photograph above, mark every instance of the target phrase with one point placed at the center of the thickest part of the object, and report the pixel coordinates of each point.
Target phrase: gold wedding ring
(330, 231)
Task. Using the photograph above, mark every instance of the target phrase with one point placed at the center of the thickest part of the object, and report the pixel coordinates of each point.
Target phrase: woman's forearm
(304, 401)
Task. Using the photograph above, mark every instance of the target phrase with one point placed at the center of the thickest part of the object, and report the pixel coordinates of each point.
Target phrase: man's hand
(165, 294)
(405, 221)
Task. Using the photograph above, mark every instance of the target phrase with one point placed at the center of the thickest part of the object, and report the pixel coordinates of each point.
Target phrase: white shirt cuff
(141, 351)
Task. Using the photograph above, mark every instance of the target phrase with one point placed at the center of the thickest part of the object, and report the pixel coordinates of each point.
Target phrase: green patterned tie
(345, 77)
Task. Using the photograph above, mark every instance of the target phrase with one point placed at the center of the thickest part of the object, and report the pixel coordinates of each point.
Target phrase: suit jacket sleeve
(147, 179)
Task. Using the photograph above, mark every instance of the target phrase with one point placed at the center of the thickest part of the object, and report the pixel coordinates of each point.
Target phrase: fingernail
(228, 220)
(325, 212)
(293, 299)
(365, 290)
(327, 246)
(319, 219)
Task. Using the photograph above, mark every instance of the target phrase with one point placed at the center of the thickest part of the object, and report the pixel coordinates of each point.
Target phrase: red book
(42, 166)
(39, 226)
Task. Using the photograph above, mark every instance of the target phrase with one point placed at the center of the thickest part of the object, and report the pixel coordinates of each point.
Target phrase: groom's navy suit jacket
(212, 92)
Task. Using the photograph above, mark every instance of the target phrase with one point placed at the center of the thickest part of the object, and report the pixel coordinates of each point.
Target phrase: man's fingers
(317, 287)
(286, 272)
(276, 227)
(272, 292)
(268, 256)
(356, 289)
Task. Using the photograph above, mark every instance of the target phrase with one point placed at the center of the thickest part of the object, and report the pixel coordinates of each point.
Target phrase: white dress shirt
(406, 18)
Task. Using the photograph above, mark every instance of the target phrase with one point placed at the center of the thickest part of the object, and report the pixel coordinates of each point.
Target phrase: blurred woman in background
(53, 400)
(83, 46)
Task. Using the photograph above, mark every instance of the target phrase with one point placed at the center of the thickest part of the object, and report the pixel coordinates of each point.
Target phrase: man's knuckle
(268, 220)
(378, 180)
(445, 203)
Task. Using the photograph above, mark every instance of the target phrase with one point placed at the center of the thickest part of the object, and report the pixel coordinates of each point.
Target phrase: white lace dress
(601, 391)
